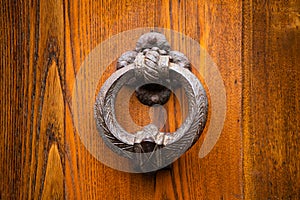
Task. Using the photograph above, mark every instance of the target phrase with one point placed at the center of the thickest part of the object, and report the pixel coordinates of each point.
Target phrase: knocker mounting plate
(153, 54)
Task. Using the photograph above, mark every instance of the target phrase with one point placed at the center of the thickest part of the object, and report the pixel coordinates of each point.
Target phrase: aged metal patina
(154, 70)
(149, 49)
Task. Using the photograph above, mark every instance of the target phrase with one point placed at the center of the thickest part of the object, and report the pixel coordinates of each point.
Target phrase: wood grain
(271, 53)
(254, 44)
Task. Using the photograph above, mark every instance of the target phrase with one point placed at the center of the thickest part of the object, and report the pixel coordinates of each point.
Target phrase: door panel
(255, 46)
(271, 100)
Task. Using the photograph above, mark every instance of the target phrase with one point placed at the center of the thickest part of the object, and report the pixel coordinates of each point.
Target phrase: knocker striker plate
(151, 64)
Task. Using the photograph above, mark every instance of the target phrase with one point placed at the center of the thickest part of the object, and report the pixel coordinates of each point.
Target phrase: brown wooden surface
(271, 109)
(254, 44)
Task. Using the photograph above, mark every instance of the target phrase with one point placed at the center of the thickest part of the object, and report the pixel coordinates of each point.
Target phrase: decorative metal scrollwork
(154, 69)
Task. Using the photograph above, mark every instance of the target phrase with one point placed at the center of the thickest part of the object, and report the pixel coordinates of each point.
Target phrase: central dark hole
(153, 87)
(150, 94)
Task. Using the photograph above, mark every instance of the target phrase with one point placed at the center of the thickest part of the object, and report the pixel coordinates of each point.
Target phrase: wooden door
(255, 45)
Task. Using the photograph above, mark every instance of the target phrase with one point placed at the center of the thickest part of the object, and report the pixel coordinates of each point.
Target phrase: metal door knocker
(154, 70)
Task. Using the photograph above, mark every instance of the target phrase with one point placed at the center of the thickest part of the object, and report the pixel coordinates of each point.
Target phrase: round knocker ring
(154, 64)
